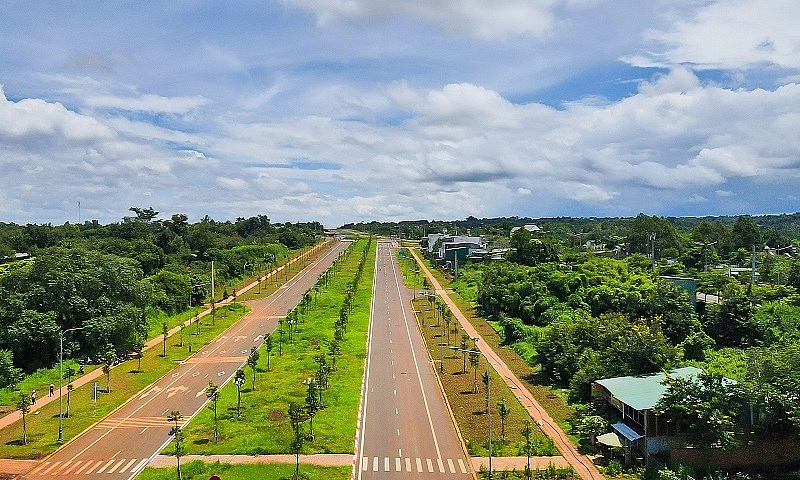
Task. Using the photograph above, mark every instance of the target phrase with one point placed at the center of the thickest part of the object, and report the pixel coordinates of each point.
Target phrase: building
(638, 429)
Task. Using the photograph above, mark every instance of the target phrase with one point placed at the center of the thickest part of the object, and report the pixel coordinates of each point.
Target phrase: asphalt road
(406, 429)
(121, 445)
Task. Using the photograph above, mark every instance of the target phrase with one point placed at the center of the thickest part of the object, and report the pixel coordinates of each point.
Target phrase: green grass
(126, 380)
(549, 398)
(199, 470)
(469, 408)
(264, 427)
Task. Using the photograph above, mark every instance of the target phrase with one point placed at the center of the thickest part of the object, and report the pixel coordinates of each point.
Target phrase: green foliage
(704, 408)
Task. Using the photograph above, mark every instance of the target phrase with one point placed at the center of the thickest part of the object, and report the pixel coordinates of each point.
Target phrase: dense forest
(110, 283)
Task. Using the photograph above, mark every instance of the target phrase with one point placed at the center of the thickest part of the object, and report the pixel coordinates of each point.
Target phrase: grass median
(199, 470)
(263, 426)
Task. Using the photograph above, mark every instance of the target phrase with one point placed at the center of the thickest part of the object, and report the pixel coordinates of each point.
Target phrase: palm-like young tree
(474, 361)
(24, 406)
(296, 420)
(212, 393)
(177, 433)
(238, 380)
(165, 332)
(503, 411)
(69, 372)
(108, 362)
(268, 348)
(252, 362)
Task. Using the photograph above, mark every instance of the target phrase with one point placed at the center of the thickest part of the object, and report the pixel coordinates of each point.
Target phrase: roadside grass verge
(126, 381)
(263, 427)
(548, 397)
(469, 408)
(199, 470)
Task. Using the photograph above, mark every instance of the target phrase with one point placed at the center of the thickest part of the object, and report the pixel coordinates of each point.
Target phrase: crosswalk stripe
(386, 464)
(461, 466)
(115, 467)
(430, 465)
(103, 468)
(375, 464)
(95, 465)
(86, 464)
(36, 470)
(364, 463)
(64, 465)
(408, 464)
(397, 467)
(441, 465)
(51, 467)
(419, 465)
(73, 467)
(451, 466)
(123, 469)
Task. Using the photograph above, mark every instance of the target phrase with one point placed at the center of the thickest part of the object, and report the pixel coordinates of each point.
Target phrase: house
(455, 249)
(638, 429)
(530, 227)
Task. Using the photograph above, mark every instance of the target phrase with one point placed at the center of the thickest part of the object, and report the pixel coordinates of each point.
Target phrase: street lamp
(488, 398)
(61, 382)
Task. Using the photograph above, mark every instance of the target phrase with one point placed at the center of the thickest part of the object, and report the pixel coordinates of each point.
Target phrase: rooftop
(642, 393)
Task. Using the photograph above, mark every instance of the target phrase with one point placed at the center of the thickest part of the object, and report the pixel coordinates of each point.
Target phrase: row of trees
(109, 282)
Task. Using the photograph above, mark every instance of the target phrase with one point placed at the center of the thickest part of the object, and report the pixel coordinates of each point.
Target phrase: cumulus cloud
(476, 18)
(730, 34)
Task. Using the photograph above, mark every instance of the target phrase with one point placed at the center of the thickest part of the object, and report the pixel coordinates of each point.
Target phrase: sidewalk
(582, 464)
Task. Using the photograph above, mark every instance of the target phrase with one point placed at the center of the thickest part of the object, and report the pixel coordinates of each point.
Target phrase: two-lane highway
(406, 428)
(120, 446)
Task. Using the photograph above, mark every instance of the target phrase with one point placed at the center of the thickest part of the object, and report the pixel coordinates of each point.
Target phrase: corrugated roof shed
(642, 393)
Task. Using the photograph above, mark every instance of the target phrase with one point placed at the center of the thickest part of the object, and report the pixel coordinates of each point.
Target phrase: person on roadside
(33, 396)
(52, 389)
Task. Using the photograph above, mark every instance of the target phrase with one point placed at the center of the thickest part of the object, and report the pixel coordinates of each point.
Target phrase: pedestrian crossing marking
(87, 467)
(445, 465)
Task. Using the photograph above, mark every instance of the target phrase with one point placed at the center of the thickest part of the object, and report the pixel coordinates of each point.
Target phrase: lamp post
(488, 399)
(61, 382)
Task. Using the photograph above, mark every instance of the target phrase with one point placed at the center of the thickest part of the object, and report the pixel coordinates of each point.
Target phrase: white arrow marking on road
(201, 392)
(153, 390)
(171, 392)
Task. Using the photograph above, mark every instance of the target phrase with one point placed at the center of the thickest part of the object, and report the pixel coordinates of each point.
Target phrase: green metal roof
(642, 393)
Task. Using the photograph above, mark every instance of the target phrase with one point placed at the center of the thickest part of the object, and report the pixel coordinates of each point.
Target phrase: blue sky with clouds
(358, 110)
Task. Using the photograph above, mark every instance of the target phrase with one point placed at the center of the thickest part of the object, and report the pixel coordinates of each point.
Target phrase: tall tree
(238, 380)
(212, 393)
(252, 362)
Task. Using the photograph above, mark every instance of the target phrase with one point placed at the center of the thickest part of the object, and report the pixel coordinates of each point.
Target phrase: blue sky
(358, 110)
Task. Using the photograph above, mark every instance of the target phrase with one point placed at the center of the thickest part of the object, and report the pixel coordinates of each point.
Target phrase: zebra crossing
(417, 465)
(89, 467)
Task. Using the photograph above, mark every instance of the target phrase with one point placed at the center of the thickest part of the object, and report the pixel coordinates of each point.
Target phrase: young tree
(527, 447)
(252, 362)
(165, 332)
(312, 405)
(177, 433)
(138, 349)
(268, 348)
(238, 380)
(474, 361)
(212, 393)
(108, 362)
(503, 411)
(24, 406)
(296, 420)
(463, 348)
(485, 378)
(69, 372)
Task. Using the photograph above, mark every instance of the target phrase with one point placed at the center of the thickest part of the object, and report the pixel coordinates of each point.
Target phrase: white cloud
(730, 34)
(495, 20)
(147, 103)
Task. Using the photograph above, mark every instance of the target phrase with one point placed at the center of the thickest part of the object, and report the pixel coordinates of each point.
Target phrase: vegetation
(265, 426)
(584, 299)
(200, 470)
